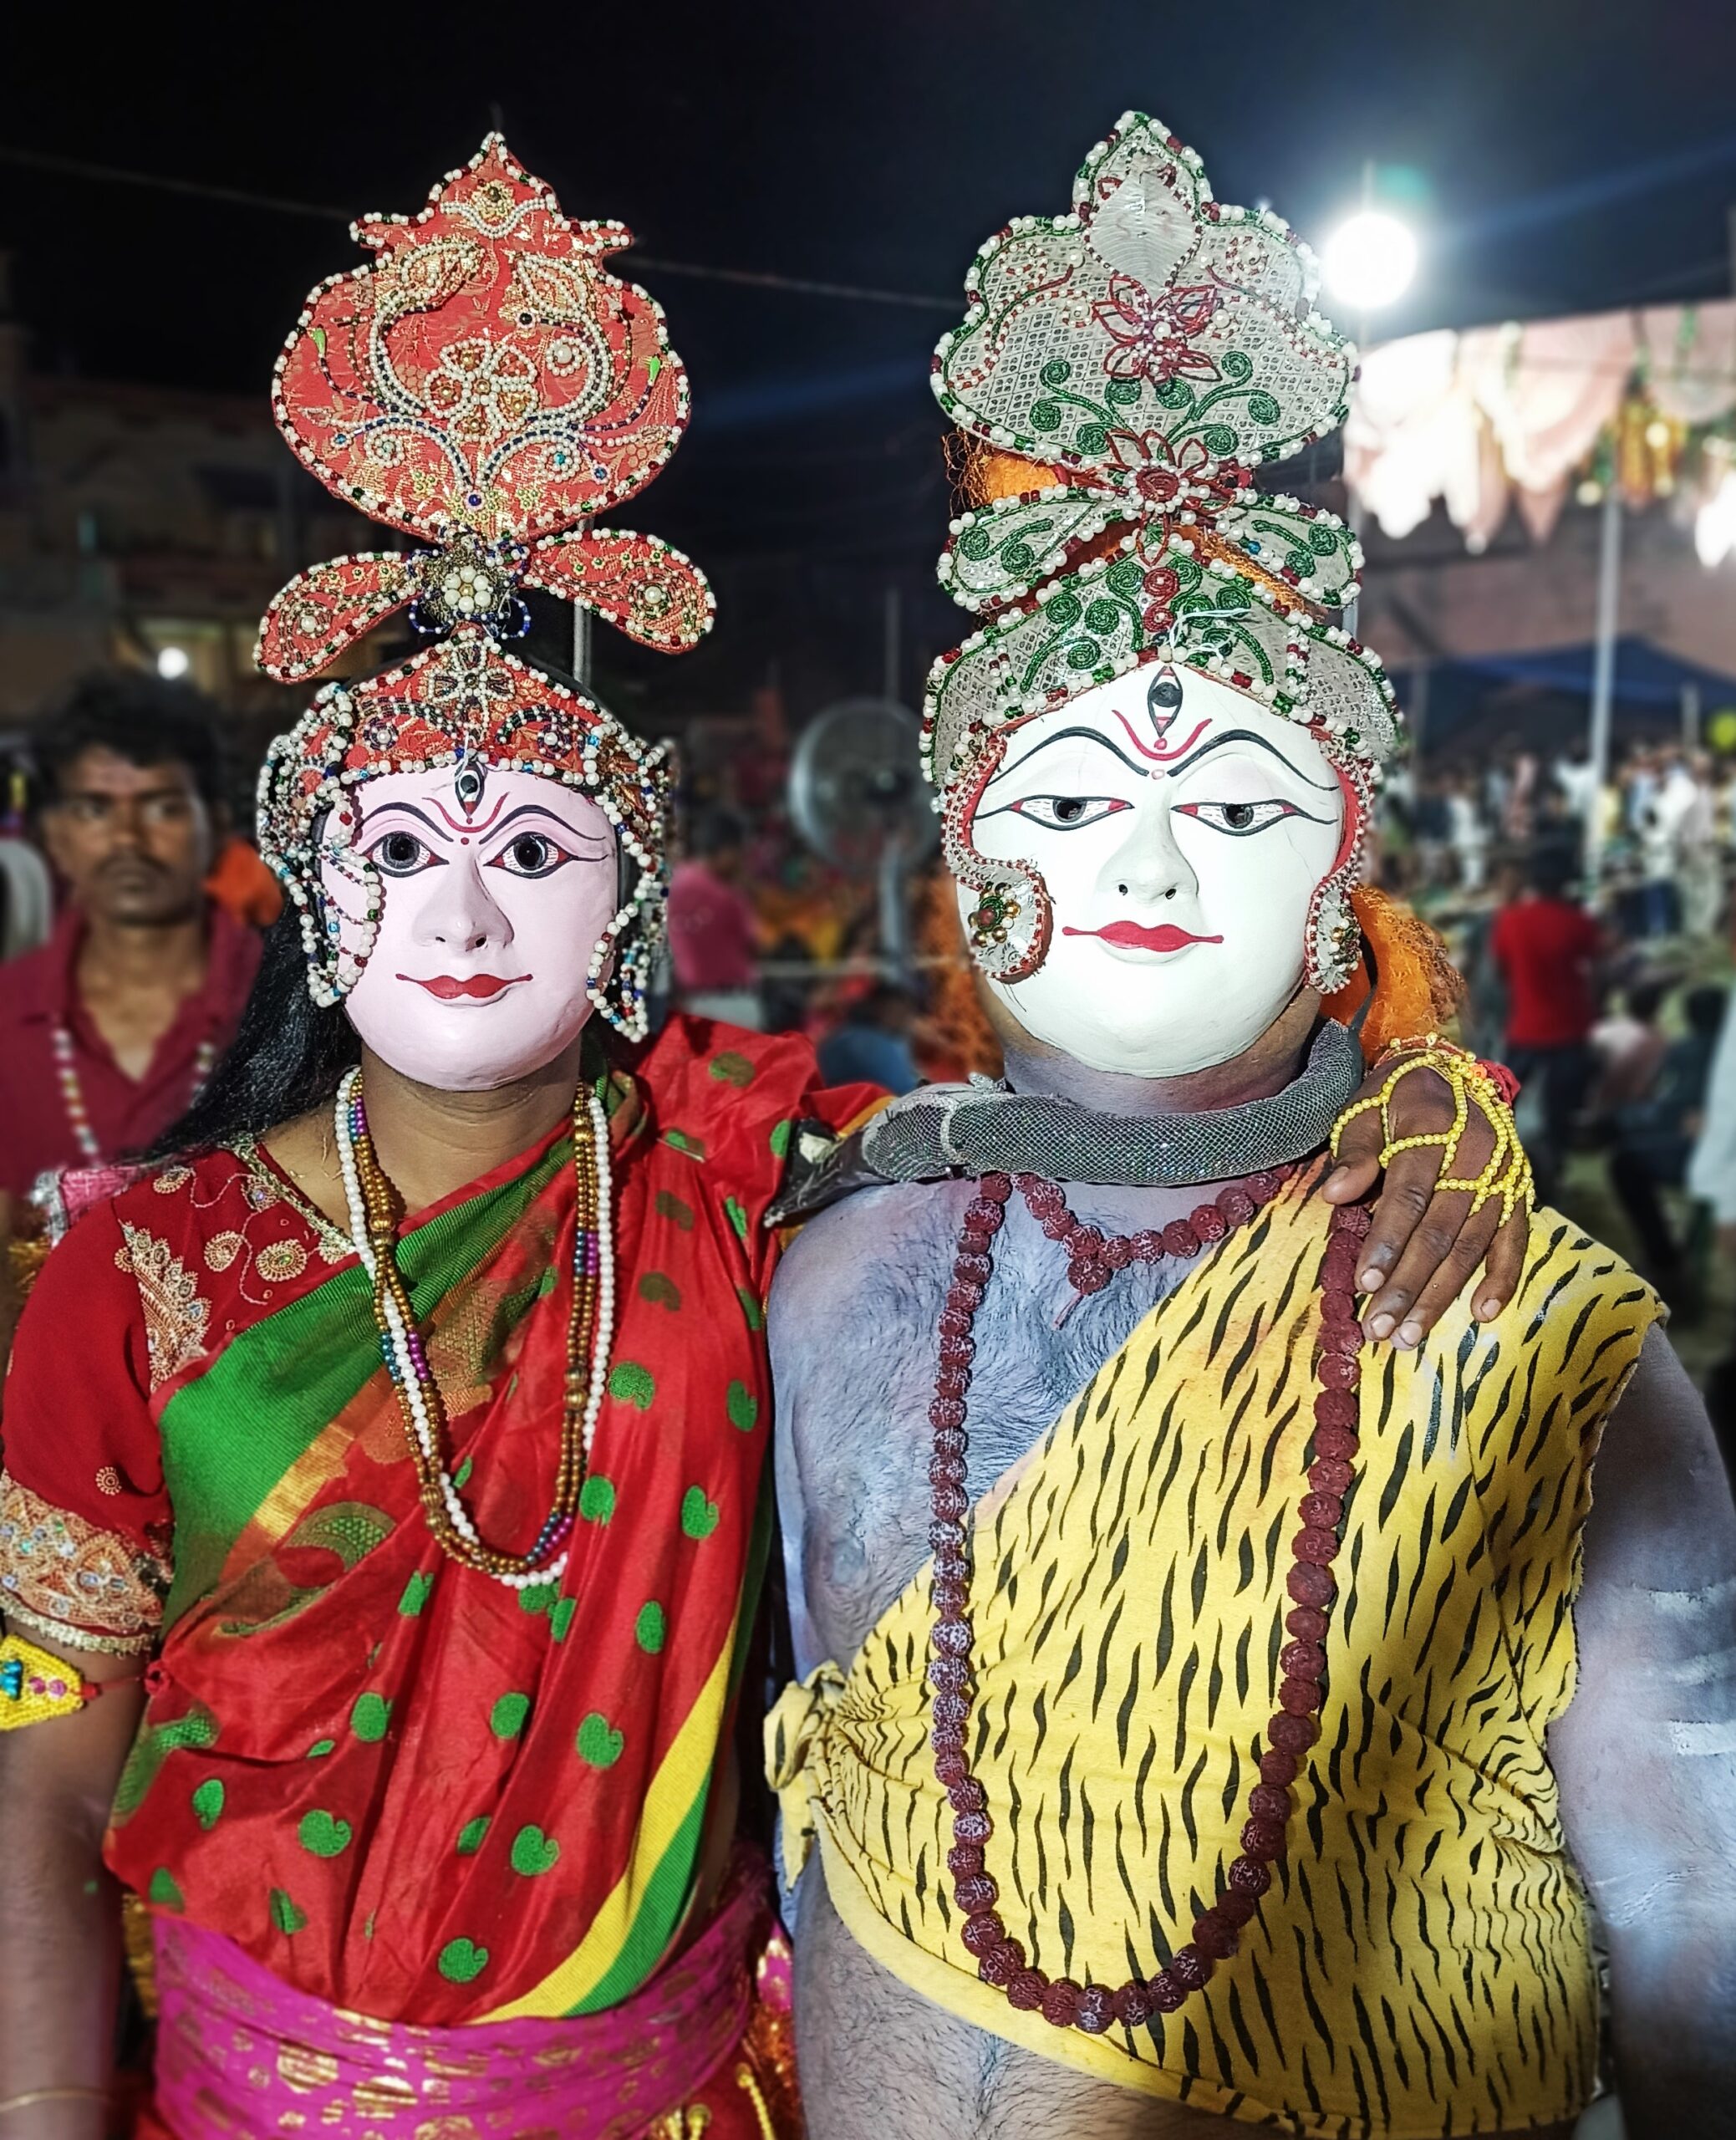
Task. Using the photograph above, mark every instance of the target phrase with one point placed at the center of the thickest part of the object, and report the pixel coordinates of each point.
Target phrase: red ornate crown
(486, 386)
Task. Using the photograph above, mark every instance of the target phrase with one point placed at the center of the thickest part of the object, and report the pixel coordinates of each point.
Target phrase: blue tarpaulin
(1543, 699)
(1645, 674)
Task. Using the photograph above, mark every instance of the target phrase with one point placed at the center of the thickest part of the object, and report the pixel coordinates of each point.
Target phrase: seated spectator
(1655, 1136)
(872, 1045)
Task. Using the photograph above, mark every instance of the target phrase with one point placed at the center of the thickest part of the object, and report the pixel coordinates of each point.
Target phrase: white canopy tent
(1500, 417)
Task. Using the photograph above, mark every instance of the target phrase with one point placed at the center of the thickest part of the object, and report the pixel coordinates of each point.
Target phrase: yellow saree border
(679, 1779)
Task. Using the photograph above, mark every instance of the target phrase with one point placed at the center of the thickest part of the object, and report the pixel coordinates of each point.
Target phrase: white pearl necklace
(409, 1382)
(71, 1091)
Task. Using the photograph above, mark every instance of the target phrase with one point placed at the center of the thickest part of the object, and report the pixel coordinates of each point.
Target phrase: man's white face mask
(1182, 830)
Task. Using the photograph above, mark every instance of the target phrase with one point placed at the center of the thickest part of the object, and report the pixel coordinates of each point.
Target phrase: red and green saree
(401, 1788)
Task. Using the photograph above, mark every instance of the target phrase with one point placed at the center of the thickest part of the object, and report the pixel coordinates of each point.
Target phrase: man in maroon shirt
(107, 1031)
(712, 931)
(1547, 950)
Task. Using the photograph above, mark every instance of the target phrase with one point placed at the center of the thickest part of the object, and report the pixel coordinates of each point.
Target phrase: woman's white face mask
(492, 904)
(1181, 844)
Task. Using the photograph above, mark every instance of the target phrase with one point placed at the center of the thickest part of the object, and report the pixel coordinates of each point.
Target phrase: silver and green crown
(1151, 348)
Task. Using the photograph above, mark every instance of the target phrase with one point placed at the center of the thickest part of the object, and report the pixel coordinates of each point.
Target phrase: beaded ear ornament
(1138, 357)
(486, 386)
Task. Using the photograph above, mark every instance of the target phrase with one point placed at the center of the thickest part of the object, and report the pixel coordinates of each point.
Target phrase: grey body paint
(1645, 1756)
(852, 1328)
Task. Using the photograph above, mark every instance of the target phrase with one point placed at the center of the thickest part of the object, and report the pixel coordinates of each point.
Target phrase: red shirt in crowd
(712, 937)
(39, 995)
(1546, 949)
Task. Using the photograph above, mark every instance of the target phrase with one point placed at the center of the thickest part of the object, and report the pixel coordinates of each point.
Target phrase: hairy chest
(855, 1346)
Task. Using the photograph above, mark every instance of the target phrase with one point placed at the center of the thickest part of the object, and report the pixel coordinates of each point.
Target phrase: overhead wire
(235, 196)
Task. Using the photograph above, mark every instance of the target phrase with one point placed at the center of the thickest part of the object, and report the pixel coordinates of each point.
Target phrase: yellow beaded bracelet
(1507, 1175)
(35, 1685)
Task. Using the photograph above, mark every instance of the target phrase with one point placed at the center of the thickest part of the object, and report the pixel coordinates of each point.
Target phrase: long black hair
(286, 1057)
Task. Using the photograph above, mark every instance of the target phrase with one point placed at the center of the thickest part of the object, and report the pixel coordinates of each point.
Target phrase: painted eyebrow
(524, 810)
(538, 810)
(1247, 735)
(1061, 736)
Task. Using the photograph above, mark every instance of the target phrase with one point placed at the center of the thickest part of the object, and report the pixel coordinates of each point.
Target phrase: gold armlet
(1507, 1176)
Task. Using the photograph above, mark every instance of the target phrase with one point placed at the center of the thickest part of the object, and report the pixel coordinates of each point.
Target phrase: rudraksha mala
(1092, 1258)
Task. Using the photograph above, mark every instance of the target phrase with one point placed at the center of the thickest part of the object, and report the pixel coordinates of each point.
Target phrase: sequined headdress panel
(1144, 352)
(484, 386)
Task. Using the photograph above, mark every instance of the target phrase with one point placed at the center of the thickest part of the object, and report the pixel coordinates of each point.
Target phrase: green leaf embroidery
(694, 1147)
(285, 1915)
(781, 1133)
(323, 1834)
(416, 1593)
(537, 1597)
(597, 1498)
(208, 1803)
(598, 1743)
(461, 1961)
(163, 1890)
(737, 1217)
(743, 1406)
(470, 1834)
(699, 1516)
(650, 1628)
(505, 1719)
(658, 1287)
(533, 1851)
(320, 1749)
(561, 1618)
(633, 1384)
(751, 1308)
(671, 1207)
(730, 1068)
(370, 1717)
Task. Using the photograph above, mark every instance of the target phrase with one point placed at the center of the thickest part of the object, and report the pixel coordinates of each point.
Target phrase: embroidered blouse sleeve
(84, 1519)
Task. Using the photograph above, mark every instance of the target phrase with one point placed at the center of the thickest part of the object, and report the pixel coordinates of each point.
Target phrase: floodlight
(1370, 260)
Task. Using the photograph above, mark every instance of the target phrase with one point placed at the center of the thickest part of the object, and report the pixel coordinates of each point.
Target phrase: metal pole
(1603, 677)
(892, 630)
(581, 645)
(1690, 716)
(1418, 711)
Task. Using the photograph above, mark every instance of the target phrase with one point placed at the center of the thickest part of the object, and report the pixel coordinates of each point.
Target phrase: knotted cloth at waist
(240, 2051)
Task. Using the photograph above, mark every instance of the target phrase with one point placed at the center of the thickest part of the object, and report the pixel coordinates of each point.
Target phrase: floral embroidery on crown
(1148, 350)
(485, 385)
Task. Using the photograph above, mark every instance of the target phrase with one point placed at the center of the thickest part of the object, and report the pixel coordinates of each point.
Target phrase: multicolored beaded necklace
(1000, 1960)
(72, 1092)
(590, 1329)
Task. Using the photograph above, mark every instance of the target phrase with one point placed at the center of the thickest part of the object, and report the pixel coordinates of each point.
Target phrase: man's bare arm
(60, 1909)
(1646, 1754)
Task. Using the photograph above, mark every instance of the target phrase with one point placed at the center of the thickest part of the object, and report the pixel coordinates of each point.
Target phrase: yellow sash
(1423, 1964)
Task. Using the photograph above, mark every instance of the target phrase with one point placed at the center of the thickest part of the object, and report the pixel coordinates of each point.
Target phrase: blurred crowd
(131, 903)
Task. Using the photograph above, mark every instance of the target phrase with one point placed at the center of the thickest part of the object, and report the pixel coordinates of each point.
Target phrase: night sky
(1558, 157)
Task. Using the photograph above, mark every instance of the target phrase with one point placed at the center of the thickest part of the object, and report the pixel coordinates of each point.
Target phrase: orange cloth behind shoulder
(242, 884)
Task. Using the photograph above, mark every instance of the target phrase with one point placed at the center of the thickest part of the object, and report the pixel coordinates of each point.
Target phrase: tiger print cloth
(1422, 1964)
